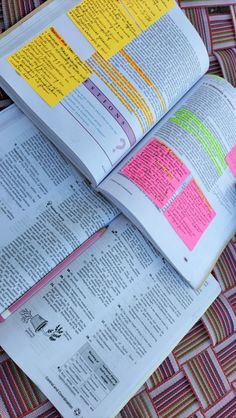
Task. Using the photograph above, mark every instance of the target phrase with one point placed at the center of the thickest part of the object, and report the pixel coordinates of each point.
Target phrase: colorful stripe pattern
(227, 61)
(226, 355)
(231, 296)
(18, 395)
(174, 397)
(139, 407)
(166, 370)
(225, 408)
(1, 19)
(193, 343)
(222, 30)
(198, 379)
(217, 27)
(207, 378)
(14, 10)
(220, 320)
(224, 270)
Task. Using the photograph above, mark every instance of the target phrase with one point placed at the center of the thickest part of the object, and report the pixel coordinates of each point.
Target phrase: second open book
(101, 91)
(91, 316)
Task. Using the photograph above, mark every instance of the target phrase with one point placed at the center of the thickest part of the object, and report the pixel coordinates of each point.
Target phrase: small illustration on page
(121, 145)
(39, 324)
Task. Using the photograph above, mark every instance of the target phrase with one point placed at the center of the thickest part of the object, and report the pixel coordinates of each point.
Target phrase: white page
(102, 119)
(213, 102)
(47, 209)
(120, 306)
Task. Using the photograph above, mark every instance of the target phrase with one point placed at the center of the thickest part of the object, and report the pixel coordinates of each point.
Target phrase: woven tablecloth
(198, 379)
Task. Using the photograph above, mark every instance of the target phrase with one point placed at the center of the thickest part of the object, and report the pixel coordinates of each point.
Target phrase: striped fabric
(224, 270)
(1, 19)
(174, 398)
(18, 393)
(225, 408)
(207, 378)
(227, 61)
(226, 355)
(167, 369)
(14, 10)
(222, 30)
(195, 341)
(198, 379)
(217, 27)
(220, 320)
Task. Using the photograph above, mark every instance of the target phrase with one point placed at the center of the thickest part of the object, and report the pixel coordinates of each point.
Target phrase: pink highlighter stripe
(54, 272)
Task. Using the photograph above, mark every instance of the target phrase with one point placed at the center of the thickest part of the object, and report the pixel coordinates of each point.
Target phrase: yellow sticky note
(106, 24)
(50, 66)
(146, 12)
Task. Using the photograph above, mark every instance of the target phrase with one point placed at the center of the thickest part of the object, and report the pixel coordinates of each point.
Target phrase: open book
(48, 211)
(98, 77)
(102, 300)
(92, 336)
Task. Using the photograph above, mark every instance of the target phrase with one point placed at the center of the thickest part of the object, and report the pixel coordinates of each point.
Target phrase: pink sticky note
(190, 214)
(231, 160)
(157, 171)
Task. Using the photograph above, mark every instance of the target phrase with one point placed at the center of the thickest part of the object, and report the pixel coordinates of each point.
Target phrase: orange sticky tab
(50, 66)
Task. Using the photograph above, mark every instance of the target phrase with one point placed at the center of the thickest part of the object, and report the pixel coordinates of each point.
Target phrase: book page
(100, 74)
(178, 186)
(47, 209)
(120, 306)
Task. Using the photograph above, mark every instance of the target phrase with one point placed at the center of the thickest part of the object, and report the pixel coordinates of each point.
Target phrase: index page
(94, 90)
(47, 209)
(120, 306)
(178, 185)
